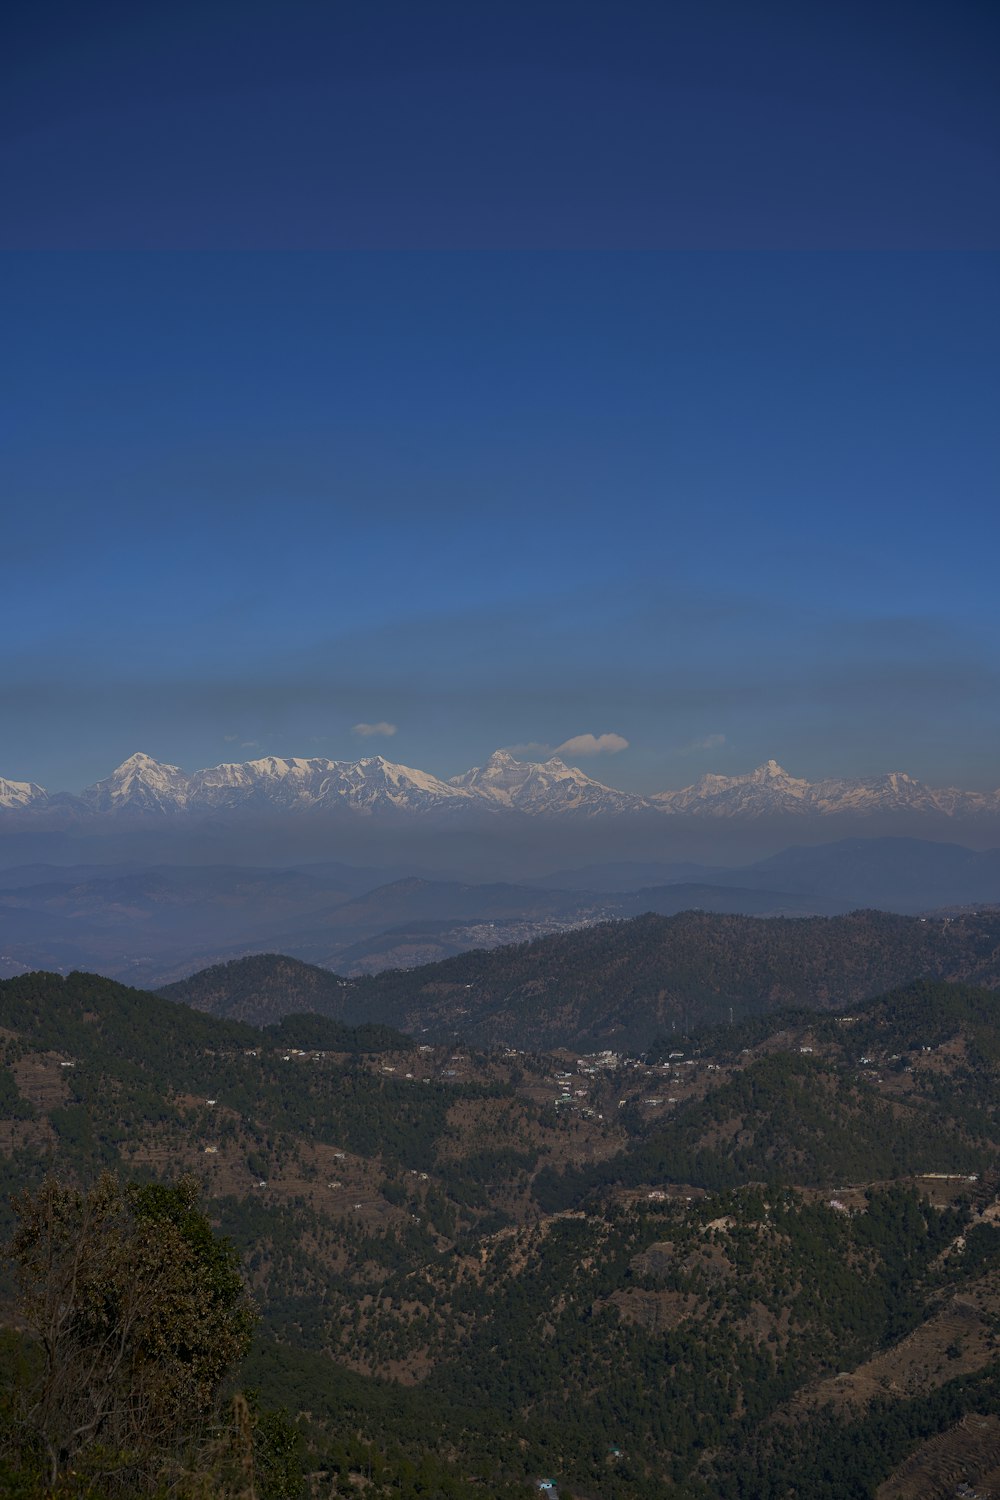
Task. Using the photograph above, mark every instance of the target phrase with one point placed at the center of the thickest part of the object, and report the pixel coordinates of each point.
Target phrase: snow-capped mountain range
(144, 789)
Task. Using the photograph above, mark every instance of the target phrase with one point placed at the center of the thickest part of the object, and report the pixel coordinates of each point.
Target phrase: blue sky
(609, 370)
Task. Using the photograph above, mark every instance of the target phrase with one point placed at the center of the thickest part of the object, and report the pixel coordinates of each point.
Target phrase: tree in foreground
(135, 1311)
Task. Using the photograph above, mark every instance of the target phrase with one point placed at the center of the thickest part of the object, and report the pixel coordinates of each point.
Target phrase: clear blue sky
(503, 374)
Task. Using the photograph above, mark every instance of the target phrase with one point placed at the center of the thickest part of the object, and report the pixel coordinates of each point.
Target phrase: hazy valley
(151, 925)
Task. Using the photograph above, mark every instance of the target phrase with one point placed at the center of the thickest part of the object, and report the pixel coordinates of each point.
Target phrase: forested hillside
(260, 989)
(642, 1275)
(620, 983)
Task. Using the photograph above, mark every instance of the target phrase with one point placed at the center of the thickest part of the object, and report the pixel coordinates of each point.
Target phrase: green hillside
(621, 983)
(261, 988)
(640, 1275)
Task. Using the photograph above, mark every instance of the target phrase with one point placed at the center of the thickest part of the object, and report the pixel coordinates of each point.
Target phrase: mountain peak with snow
(21, 794)
(146, 788)
(770, 771)
(769, 790)
(543, 787)
(140, 761)
(139, 785)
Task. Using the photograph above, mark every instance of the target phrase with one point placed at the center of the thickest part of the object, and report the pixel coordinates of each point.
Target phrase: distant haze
(507, 817)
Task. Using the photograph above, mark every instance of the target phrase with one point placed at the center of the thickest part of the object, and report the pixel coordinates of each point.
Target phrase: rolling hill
(619, 984)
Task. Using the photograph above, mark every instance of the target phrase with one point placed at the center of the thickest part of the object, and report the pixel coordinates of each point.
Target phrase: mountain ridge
(144, 788)
(618, 984)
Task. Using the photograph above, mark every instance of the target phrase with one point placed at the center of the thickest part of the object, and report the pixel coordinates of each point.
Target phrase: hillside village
(425, 1219)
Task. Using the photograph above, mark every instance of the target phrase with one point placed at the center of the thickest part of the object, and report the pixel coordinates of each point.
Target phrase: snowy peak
(17, 794)
(145, 788)
(500, 778)
(375, 784)
(299, 785)
(272, 782)
(770, 791)
(543, 787)
(769, 771)
(139, 763)
(140, 784)
(765, 791)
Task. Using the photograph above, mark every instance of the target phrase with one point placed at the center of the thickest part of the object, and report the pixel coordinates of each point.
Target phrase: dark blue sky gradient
(550, 124)
(506, 375)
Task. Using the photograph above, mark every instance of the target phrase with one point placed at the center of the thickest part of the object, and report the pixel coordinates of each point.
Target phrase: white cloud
(593, 744)
(380, 728)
